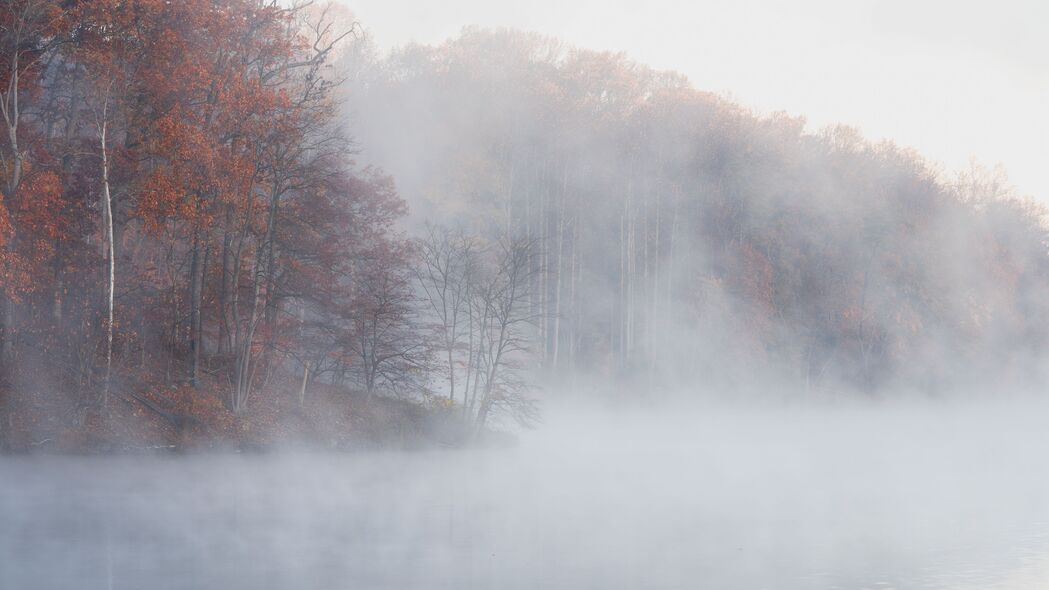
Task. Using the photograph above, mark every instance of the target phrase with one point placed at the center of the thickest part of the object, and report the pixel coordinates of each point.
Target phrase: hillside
(687, 240)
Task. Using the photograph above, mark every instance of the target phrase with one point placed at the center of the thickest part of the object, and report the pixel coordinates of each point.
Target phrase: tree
(505, 325)
(445, 274)
(382, 332)
(30, 33)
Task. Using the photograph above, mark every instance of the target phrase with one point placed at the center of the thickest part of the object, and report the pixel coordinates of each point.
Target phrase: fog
(683, 238)
(341, 295)
(799, 496)
(907, 71)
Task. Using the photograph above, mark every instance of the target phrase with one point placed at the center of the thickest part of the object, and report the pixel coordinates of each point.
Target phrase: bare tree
(444, 274)
(383, 334)
(505, 325)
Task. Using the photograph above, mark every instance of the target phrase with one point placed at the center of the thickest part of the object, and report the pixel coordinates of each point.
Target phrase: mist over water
(873, 495)
(250, 225)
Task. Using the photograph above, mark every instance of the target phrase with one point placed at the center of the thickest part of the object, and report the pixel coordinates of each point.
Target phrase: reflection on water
(875, 498)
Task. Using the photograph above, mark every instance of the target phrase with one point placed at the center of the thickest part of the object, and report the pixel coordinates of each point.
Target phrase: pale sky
(954, 79)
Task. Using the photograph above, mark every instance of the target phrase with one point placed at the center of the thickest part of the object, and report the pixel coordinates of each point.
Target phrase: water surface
(917, 496)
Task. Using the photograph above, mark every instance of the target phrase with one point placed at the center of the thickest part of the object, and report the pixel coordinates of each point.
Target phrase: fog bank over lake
(879, 495)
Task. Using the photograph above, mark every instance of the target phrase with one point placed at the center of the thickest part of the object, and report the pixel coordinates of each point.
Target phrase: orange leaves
(211, 121)
(38, 204)
(39, 218)
(6, 231)
(12, 276)
(229, 185)
(158, 199)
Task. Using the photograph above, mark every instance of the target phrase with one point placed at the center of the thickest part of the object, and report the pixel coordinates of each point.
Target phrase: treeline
(183, 222)
(180, 205)
(183, 228)
(682, 239)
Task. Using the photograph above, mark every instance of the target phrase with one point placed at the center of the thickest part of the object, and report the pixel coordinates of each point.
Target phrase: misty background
(954, 80)
(684, 237)
(485, 295)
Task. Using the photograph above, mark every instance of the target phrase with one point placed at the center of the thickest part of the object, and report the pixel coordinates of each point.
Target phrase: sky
(955, 80)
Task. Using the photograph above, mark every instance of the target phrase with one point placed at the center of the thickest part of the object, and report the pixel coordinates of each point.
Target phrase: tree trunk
(573, 324)
(469, 351)
(631, 271)
(544, 269)
(305, 380)
(7, 330)
(107, 215)
(620, 325)
(227, 268)
(195, 292)
(243, 368)
(655, 326)
(57, 296)
(560, 258)
(11, 114)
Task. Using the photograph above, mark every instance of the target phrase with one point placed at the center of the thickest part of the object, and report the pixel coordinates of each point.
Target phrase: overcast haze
(952, 79)
(285, 307)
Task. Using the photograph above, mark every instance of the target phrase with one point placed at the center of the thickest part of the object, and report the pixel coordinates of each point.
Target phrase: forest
(682, 239)
(239, 222)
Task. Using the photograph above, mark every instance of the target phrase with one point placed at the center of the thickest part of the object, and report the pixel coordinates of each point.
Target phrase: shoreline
(182, 420)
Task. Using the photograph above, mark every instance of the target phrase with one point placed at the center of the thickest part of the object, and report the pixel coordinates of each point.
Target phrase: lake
(921, 495)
